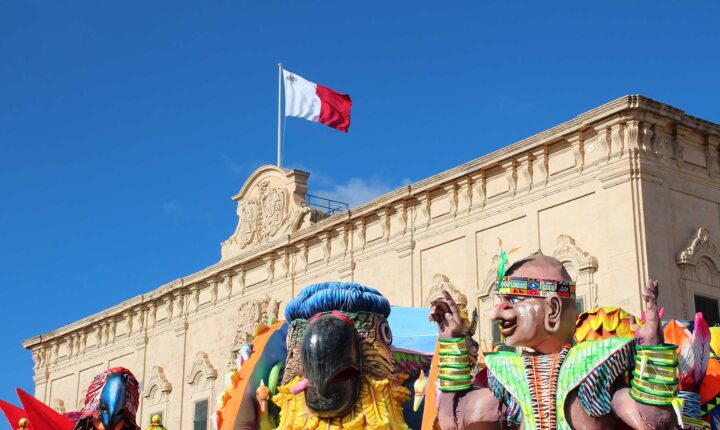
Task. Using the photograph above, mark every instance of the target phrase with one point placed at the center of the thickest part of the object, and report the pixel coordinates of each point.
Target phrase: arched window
(699, 266)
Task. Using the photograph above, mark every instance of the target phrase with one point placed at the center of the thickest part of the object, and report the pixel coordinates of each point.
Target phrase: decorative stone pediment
(700, 246)
(271, 204)
(440, 283)
(157, 388)
(250, 314)
(566, 251)
(490, 278)
(581, 266)
(202, 371)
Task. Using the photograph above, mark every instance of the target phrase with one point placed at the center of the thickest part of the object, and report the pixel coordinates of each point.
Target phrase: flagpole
(279, 146)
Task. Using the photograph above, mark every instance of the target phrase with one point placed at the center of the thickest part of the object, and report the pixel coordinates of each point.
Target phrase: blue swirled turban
(336, 296)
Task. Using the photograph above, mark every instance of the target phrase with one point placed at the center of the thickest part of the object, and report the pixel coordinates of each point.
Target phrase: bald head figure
(538, 265)
(545, 324)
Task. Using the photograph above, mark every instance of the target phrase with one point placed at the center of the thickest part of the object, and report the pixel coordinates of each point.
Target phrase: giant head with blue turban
(340, 371)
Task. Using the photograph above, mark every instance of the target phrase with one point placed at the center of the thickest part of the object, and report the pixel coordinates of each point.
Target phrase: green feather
(502, 264)
(274, 377)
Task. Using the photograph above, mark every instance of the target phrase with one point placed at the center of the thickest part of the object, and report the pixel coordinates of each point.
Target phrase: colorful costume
(533, 387)
(340, 370)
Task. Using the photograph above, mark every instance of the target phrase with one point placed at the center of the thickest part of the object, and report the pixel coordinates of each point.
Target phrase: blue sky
(125, 127)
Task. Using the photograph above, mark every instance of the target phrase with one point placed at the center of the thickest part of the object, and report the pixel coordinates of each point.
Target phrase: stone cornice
(471, 177)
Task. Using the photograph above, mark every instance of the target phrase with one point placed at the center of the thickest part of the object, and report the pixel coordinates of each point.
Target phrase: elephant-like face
(332, 363)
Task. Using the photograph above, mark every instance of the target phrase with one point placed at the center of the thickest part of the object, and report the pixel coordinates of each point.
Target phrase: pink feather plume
(701, 347)
(676, 334)
(693, 350)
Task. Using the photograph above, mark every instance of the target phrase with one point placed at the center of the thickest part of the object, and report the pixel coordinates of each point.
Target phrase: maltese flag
(305, 99)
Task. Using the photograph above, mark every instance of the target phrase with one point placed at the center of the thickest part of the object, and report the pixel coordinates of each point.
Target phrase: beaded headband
(518, 286)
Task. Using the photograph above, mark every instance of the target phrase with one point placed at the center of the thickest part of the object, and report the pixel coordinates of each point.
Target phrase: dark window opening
(709, 308)
(201, 415)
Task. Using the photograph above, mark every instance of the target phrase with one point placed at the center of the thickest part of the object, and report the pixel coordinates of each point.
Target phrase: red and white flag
(305, 99)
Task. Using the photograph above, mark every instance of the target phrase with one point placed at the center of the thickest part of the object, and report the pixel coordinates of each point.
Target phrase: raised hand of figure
(446, 313)
(651, 332)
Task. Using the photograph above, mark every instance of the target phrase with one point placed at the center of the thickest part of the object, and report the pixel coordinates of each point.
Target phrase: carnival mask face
(521, 320)
(332, 362)
(112, 401)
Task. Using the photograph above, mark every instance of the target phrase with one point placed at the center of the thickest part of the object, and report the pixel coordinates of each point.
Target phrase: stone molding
(698, 262)
(700, 246)
(157, 381)
(581, 265)
(486, 288)
(201, 368)
(652, 132)
(442, 283)
(567, 250)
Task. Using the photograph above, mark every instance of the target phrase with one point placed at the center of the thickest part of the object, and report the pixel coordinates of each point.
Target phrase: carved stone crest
(270, 204)
(263, 214)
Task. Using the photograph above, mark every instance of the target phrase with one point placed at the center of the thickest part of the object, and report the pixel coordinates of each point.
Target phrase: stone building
(626, 190)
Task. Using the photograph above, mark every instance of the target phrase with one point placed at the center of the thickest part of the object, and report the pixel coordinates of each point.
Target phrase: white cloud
(358, 191)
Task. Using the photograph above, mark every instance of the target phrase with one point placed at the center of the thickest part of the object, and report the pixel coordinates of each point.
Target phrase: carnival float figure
(553, 383)
(340, 369)
(110, 404)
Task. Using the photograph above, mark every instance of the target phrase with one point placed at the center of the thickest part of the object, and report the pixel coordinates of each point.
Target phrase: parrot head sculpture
(111, 402)
(340, 372)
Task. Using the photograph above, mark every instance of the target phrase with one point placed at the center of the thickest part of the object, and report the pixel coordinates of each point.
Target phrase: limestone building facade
(628, 190)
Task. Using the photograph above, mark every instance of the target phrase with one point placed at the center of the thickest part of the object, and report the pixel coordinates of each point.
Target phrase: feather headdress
(693, 350)
(502, 261)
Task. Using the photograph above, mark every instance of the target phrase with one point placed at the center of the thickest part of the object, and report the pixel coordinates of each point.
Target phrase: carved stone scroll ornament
(442, 283)
(271, 204)
(262, 215)
(580, 264)
(700, 246)
(699, 261)
(157, 388)
(202, 371)
(488, 285)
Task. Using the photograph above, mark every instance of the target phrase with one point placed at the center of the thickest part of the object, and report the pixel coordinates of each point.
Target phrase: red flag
(42, 416)
(305, 99)
(13, 414)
